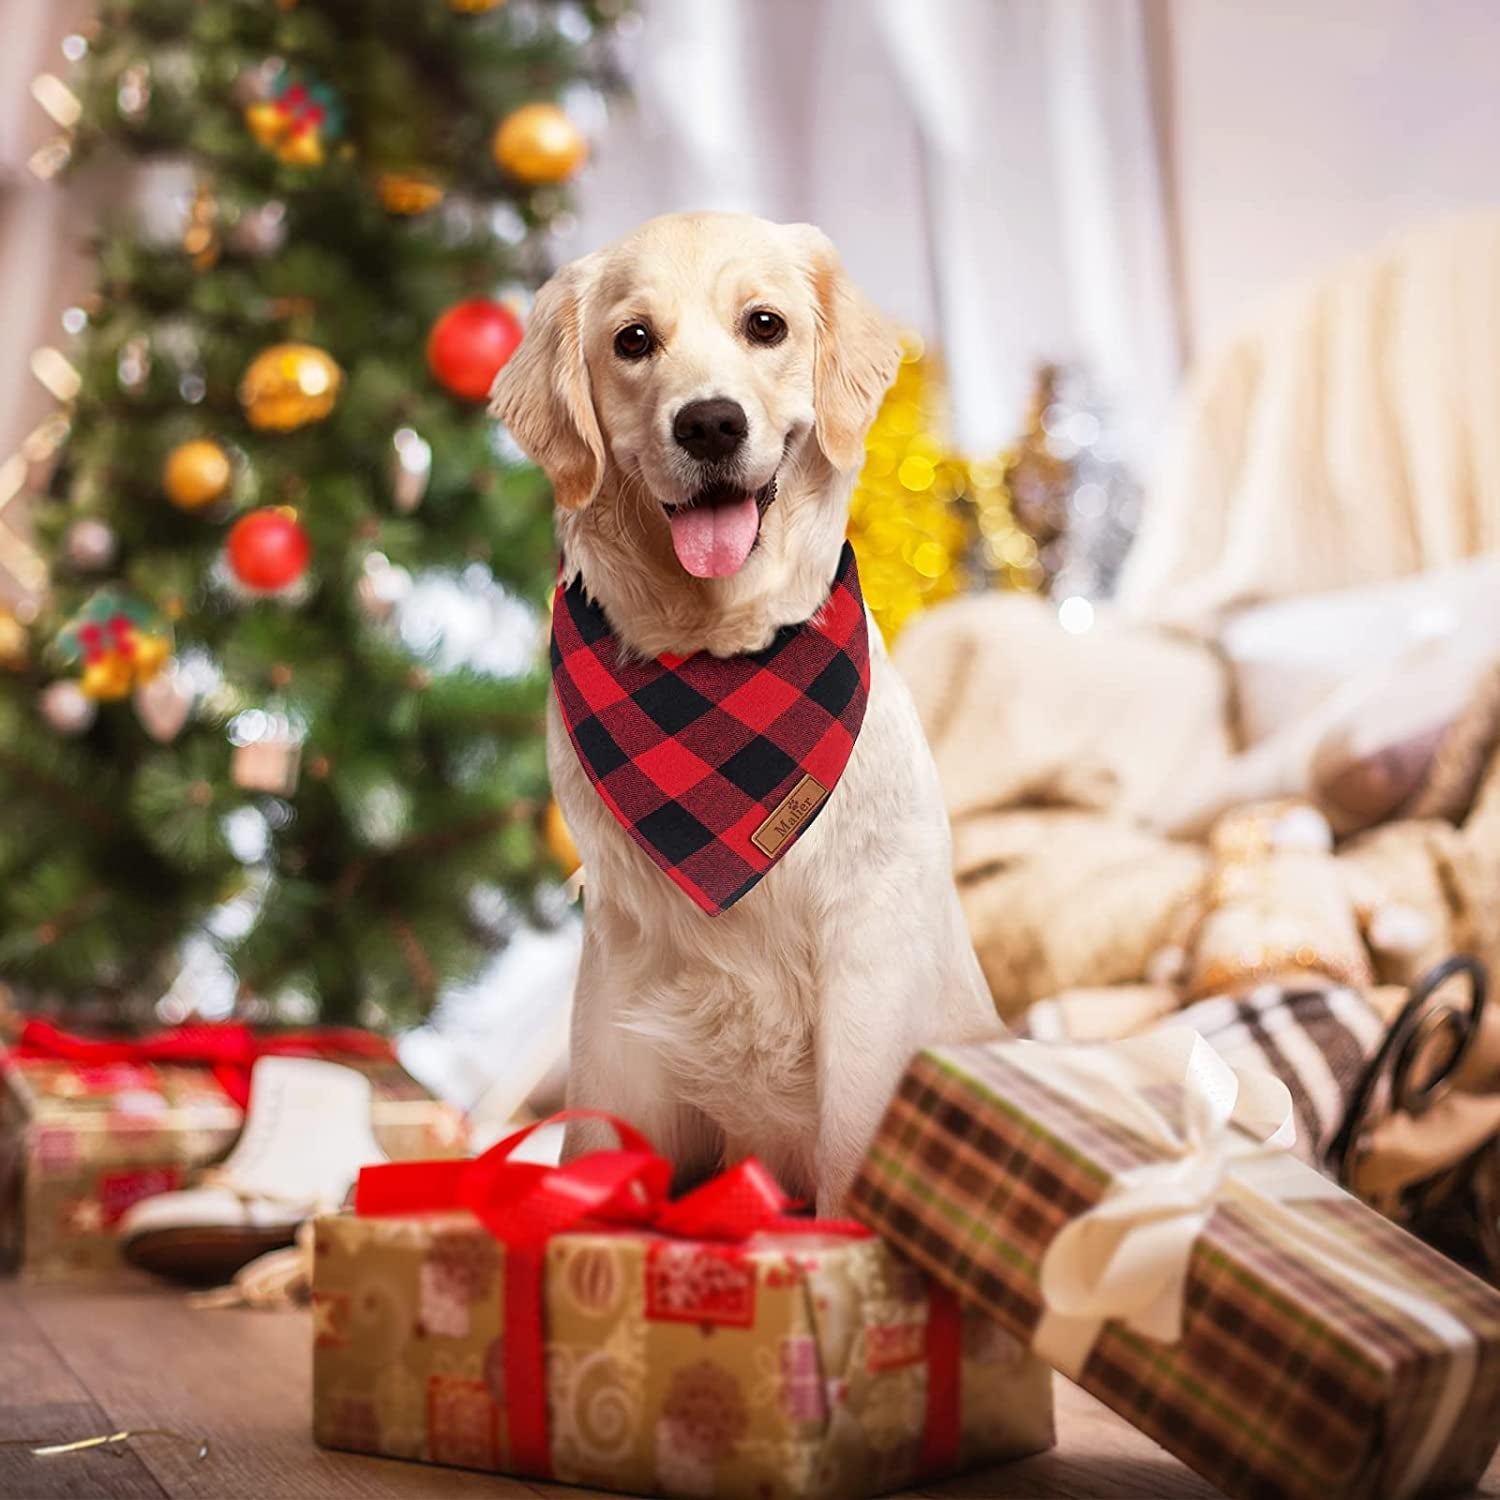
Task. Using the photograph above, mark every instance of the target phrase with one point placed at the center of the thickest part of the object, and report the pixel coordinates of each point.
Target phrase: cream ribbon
(1126, 1260)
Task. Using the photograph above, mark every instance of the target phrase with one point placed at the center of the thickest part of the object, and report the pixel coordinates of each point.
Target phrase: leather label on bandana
(796, 807)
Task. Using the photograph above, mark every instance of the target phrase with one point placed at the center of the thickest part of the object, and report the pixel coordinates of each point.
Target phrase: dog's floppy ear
(542, 394)
(855, 357)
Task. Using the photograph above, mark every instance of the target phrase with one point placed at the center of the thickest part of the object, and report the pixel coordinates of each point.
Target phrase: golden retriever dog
(698, 394)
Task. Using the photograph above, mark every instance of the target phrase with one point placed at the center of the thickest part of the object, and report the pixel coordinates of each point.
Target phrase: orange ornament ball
(268, 550)
(196, 474)
(469, 344)
(538, 144)
(289, 385)
(558, 839)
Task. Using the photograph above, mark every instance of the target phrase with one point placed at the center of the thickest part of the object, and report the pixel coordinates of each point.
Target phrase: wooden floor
(75, 1365)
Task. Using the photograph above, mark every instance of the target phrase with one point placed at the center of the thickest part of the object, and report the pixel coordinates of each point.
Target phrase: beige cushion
(1020, 712)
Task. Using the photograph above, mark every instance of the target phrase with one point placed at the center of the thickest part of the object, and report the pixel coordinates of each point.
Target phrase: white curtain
(42, 265)
(989, 168)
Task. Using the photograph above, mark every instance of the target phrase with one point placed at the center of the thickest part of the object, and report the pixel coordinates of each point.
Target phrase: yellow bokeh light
(1019, 551)
(915, 473)
(925, 523)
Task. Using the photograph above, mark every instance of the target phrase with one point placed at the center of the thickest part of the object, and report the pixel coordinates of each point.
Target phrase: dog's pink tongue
(713, 541)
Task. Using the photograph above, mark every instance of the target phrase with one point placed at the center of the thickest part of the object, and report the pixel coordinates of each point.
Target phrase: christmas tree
(244, 713)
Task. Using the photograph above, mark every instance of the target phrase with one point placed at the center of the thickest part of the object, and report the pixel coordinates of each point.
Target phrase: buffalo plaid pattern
(694, 754)
(1287, 1384)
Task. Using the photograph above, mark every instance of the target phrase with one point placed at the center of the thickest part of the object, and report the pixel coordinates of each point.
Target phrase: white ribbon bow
(1127, 1258)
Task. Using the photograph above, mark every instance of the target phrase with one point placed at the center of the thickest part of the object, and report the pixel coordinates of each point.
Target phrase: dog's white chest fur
(779, 1028)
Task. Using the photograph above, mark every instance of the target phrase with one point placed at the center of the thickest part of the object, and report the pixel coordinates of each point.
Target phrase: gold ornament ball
(305, 149)
(559, 840)
(474, 7)
(152, 653)
(14, 643)
(265, 122)
(539, 144)
(289, 385)
(107, 679)
(196, 474)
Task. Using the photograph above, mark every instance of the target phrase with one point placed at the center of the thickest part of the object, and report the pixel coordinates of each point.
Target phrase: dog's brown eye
(634, 341)
(765, 327)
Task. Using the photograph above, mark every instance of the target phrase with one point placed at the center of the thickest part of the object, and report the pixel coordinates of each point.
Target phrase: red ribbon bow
(523, 1204)
(230, 1049)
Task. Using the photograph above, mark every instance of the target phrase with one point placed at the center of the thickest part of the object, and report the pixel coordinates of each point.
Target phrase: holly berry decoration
(469, 344)
(119, 641)
(538, 144)
(298, 120)
(196, 474)
(289, 385)
(268, 550)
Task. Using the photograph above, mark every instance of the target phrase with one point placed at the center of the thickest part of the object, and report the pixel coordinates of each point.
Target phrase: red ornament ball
(268, 549)
(469, 344)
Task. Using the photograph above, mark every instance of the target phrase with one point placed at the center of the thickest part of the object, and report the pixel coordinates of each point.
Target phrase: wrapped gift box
(84, 1137)
(788, 1364)
(1175, 1259)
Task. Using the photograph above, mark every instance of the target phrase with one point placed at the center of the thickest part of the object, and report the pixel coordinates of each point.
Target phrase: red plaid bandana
(715, 765)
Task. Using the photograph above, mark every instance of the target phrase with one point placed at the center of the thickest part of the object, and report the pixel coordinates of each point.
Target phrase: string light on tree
(407, 194)
(260, 231)
(65, 708)
(411, 469)
(267, 754)
(90, 545)
(163, 704)
(200, 240)
(382, 586)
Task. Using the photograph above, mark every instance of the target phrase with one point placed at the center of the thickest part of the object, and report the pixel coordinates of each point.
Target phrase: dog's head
(698, 393)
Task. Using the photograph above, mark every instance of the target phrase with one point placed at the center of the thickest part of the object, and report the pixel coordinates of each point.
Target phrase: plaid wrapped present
(89, 1127)
(657, 1348)
(1131, 1211)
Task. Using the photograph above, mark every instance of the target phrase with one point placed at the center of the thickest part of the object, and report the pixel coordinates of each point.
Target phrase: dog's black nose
(712, 429)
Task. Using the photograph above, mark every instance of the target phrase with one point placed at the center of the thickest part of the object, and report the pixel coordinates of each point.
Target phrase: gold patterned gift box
(1133, 1213)
(790, 1365)
(83, 1139)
